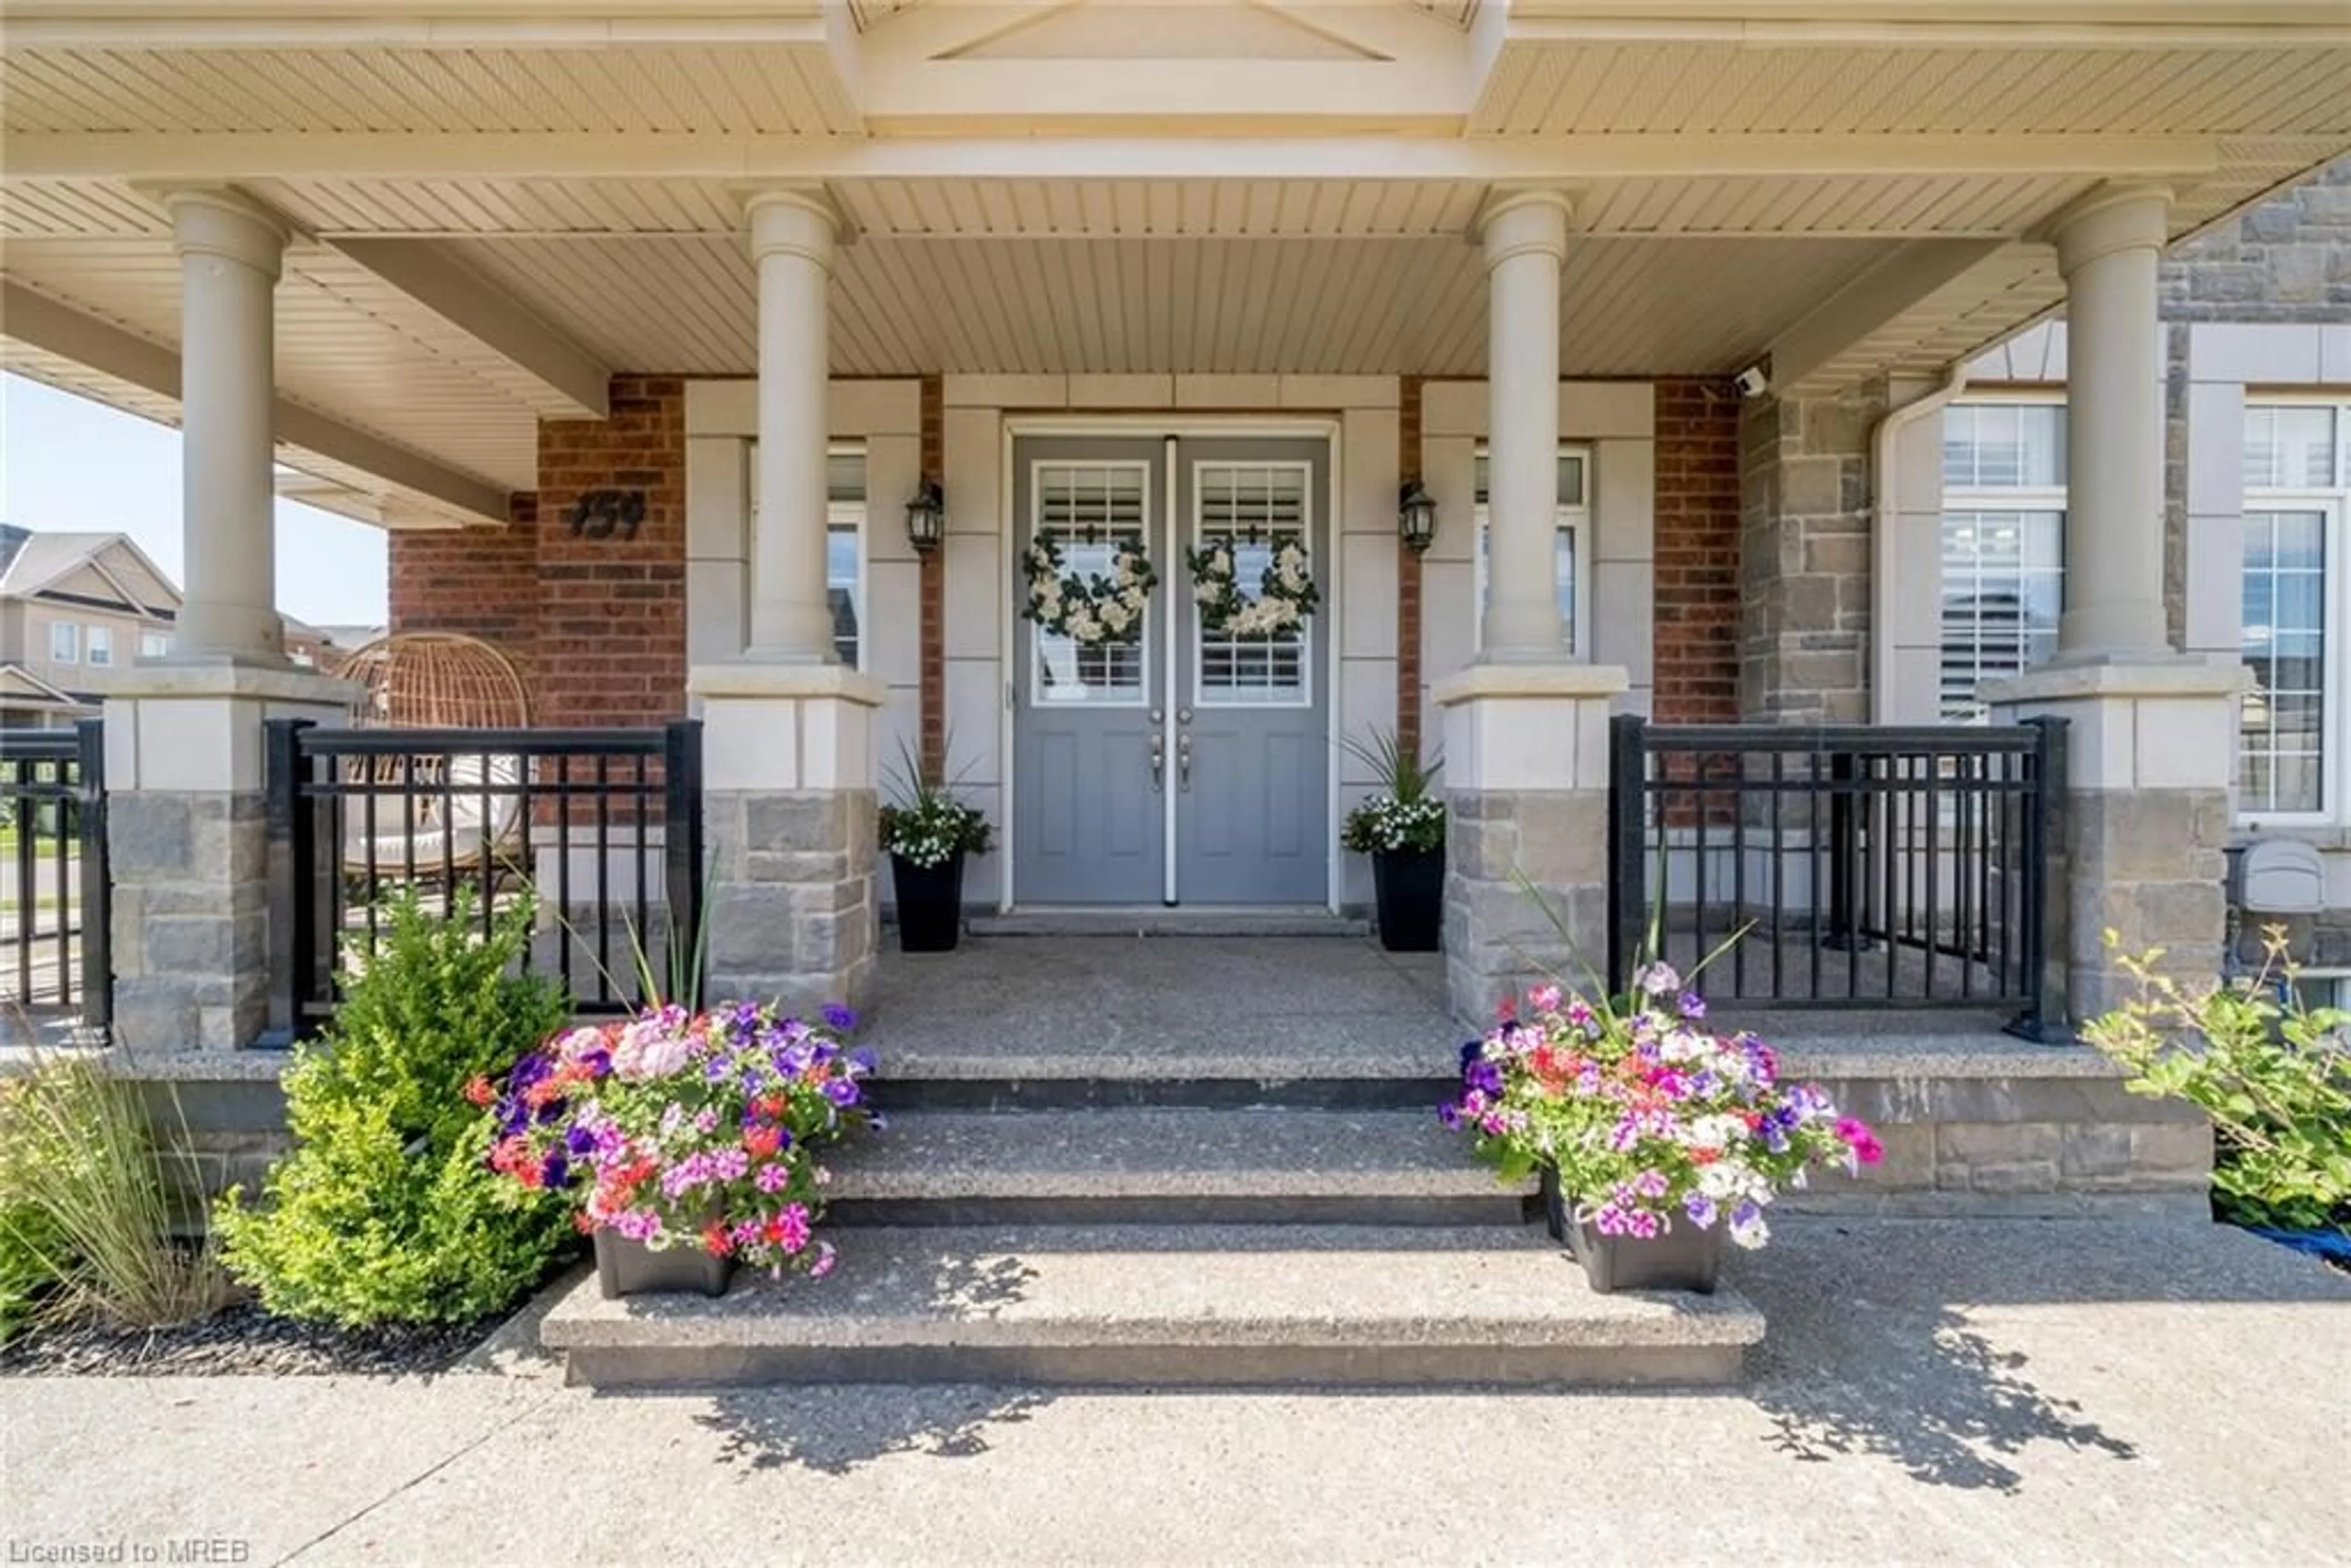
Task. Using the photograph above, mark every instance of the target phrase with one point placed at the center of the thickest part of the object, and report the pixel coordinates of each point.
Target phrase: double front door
(1171, 740)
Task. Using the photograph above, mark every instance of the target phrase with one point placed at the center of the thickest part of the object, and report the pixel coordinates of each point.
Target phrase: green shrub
(86, 1218)
(386, 1210)
(2274, 1077)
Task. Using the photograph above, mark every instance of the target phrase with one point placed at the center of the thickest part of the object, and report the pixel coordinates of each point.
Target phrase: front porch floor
(1193, 1006)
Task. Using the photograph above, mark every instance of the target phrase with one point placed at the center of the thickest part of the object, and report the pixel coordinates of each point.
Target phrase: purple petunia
(838, 1017)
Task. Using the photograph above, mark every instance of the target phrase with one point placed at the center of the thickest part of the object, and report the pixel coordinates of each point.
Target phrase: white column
(2107, 249)
(792, 236)
(230, 250)
(1525, 236)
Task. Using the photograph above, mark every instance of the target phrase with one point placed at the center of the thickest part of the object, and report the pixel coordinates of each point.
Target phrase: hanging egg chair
(452, 812)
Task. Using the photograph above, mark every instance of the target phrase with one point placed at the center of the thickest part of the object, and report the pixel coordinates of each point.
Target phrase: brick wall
(1408, 715)
(596, 625)
(482, 582)
(933, 647)
(612, 612)
(1697, 553)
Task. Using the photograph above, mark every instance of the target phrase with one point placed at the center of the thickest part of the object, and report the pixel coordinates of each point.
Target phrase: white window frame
(853, 515)
(95, 641)
(1577, 515)
(154, 644)
(2332, 505)
(837, 514)
(65, 643)
(2020, 499)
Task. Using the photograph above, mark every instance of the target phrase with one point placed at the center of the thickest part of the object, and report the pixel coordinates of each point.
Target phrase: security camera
(1751, 382)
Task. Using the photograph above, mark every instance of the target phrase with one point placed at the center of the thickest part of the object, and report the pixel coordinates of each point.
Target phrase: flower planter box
(626, 1268)
(1410, 885)
(930, 904)
(1686, 1258)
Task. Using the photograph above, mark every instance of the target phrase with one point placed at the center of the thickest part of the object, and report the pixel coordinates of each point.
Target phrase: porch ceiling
(1631, 305)
(496, 203)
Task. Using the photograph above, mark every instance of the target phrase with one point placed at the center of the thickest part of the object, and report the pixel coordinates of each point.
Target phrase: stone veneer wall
(2287, 261)
(1804, 554)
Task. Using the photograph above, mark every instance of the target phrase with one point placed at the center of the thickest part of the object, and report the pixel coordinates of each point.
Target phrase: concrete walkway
(1940, 1392)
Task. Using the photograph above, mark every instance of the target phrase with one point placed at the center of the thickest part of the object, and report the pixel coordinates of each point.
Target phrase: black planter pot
(930, 904)
(626, 1268)
(1686, 1258)
(1411, 888)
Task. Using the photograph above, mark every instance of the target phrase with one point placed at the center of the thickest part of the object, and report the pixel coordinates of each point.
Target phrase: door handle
(1184, 761)
(1158, 762)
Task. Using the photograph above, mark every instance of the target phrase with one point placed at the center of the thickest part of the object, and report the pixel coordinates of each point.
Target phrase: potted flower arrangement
(1654, 1137)
(690, 1142)
(1403, 830)
(927, 833)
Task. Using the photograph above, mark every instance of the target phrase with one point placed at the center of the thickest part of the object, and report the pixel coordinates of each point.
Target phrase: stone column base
(187, 846)
(789, 825)
(1526, 773)
(2145, 830)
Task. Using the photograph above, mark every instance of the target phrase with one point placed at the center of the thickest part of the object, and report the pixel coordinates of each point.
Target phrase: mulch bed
(240, 1342)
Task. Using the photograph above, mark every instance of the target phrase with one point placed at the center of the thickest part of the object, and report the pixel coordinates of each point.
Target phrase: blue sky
(66, 463)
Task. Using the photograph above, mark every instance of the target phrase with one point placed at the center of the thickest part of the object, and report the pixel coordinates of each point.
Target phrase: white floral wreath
(1286, 593)
(1096, 611)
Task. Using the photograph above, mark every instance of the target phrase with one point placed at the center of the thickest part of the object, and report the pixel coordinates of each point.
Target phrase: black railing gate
(1841, 865)
(57, 913)
(568, 816)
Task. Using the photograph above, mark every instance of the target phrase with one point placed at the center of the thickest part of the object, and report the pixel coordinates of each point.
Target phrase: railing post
(293, 884)
(1628, 791)
(97, 880)
(682, 838)
(2043, 1020)
(1845, 854)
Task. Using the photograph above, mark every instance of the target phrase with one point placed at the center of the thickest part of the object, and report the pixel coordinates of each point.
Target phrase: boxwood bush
(386, 1210)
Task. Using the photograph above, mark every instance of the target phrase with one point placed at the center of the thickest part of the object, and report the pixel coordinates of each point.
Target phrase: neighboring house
(74, 608)
(324, 648)
(2257, 335)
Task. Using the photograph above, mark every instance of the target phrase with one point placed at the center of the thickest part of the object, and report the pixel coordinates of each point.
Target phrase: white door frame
(1173, 427)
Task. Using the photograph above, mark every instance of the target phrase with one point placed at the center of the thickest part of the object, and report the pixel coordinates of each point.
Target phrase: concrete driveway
(1930, 1392)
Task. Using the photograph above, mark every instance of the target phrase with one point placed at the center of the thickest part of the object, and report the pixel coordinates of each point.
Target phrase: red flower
(714, 1241)
(581, 1223)
(761, 1142)
(478, 1090)
(1704, 1156)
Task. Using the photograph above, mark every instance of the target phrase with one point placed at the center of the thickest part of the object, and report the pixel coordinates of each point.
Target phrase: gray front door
(1183, 765)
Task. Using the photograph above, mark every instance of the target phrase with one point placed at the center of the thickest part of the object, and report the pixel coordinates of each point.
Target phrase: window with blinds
(1089, 511)
(2003, 546)
(1253, 509)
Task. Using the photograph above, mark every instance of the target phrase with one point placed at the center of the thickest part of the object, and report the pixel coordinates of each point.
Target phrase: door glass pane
(1249, 525)
(1090, 513)
(2282, 730)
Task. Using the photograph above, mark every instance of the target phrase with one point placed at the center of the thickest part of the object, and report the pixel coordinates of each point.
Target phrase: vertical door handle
(1184, 760)
(1158, 761)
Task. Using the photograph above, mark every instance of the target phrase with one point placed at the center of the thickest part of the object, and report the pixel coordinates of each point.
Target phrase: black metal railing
(602, 827)
(1842, 865)
(55, 893)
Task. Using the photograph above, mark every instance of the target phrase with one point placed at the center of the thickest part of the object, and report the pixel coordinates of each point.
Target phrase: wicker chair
(437, 680)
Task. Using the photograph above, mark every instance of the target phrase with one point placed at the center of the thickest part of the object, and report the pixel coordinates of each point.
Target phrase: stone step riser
(1176, 1361)
(1162, 1093)
(1434, 1213)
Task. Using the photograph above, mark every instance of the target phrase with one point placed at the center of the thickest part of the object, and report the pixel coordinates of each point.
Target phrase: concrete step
(1161, 1306)
(1183, 920)
(1168, 1166)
